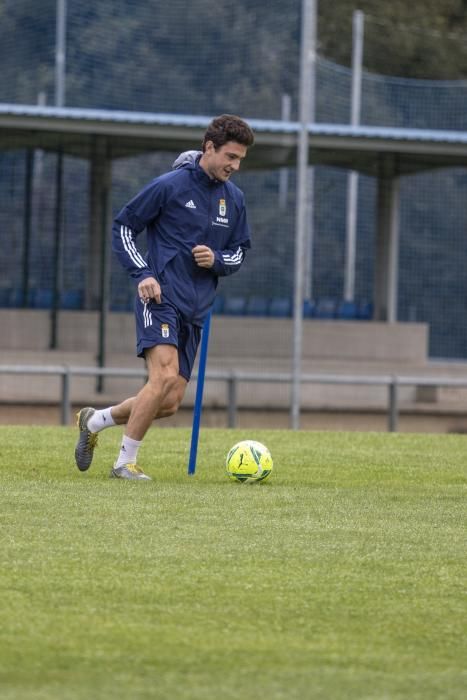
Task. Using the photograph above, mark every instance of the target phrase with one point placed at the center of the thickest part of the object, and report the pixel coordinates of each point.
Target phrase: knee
(171, 388)
(172, 401)
(168, 409)
(164, 382)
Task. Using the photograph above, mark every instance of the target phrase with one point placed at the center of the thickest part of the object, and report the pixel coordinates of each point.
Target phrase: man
(197, 231)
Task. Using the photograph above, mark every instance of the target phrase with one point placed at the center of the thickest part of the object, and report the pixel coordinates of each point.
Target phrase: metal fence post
(65, 408)
(393, 409)
(232, 383)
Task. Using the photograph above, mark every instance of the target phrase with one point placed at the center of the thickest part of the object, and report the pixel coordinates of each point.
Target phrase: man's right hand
(150, 288)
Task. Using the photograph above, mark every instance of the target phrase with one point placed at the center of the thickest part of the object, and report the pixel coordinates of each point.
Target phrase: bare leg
(121, 413)
(161, 395)
(173, 399)
(162, 364)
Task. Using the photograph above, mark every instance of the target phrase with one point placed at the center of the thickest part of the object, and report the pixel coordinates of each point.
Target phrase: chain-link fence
(241, 58)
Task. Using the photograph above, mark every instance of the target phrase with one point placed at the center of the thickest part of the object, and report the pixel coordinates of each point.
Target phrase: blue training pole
(203, 356)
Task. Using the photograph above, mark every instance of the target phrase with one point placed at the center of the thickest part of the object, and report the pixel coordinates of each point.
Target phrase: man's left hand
(204, 256)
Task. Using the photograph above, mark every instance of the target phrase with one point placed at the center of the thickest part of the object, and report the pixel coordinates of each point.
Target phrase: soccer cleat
(129, 471)
(87, 441)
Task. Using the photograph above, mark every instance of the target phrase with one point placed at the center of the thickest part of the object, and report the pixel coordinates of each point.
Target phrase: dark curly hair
(226, 128)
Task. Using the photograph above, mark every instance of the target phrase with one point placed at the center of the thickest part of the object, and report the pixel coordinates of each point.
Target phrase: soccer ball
(248, 461)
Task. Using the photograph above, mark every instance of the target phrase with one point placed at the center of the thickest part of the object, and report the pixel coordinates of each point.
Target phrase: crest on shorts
(165, 330)
(222, 207)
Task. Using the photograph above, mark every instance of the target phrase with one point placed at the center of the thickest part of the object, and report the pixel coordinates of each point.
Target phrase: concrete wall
(233, 339)
(240, 343)
(236, 343)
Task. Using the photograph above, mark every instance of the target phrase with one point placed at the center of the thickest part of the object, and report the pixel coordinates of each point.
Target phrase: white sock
(100, 420)
(128, 451)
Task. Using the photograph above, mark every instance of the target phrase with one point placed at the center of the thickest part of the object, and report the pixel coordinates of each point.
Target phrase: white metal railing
(233, 378)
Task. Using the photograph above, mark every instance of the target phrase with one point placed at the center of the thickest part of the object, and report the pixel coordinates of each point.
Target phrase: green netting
(242, 57)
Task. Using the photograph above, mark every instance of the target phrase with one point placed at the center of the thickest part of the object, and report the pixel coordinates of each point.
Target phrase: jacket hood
(186, 158)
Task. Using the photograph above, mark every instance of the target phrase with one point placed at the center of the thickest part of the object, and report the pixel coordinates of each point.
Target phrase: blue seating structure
(365, 311)
(347, 310)
(257, 306)
(71, 299)
(280, 307)
(309, 308)
(11, 297)
(326, 308)
(40, 298)
(235, 306)
(5, 293)
(218, 306)
(254, 305)
(124, 302)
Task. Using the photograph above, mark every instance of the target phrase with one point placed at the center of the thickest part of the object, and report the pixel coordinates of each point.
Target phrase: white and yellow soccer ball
(248, 461)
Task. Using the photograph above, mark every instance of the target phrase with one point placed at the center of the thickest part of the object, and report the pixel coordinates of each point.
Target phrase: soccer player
(197, 231)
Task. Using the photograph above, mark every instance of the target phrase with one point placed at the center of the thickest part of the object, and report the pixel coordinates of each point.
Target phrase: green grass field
(342, 577)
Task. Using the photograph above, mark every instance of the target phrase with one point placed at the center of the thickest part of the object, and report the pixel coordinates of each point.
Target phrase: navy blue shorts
(161, 324)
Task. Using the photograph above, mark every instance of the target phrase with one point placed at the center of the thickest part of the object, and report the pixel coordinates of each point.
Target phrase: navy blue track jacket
(179, 210)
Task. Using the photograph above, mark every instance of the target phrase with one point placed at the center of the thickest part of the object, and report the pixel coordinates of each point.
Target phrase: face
(221, 164)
